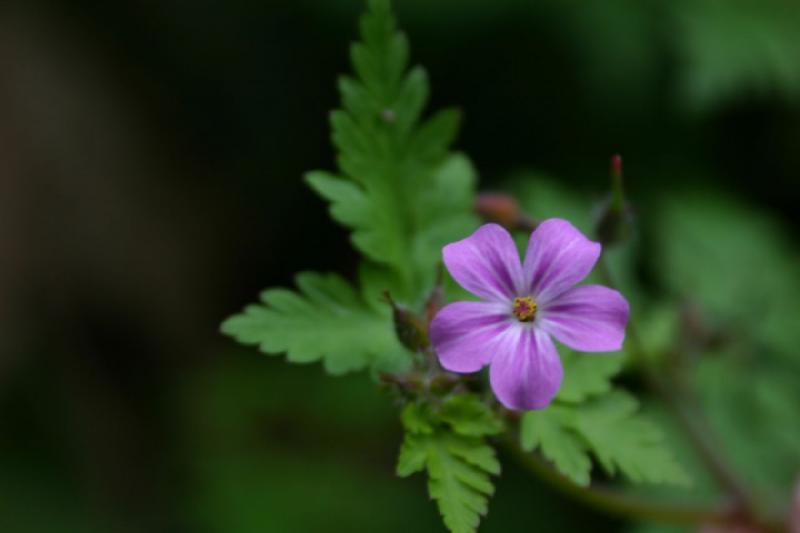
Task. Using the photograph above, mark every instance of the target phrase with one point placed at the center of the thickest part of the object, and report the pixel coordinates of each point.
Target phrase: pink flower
(524, 305)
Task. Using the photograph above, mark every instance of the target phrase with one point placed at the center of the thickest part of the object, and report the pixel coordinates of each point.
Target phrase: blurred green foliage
(737, 266)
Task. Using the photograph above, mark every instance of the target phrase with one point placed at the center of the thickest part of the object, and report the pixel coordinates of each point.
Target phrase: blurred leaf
(417, 418)
(458, 475)
(400, 191)
(327, 320)
(469, 416)
(543, 197)
(736, 48)
(737, 264)
(458, 461)
(625, 441)
(610, 427)
(587, 374)
(747, 406)
(547, 431)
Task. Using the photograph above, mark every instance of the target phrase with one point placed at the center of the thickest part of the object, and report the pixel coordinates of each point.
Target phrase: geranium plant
(425, 235)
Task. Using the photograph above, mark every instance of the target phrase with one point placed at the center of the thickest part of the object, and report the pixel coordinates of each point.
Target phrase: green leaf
(711, 246)
(739, 269)
(748, 404)
(326, 320)
(737, 48)
(458, 474)
(469, 416)
(417, 418)
(622, 440)
(413, 454)
(449, 443)
(610, 428)
(546, 430)
(587, 375)
(398, 188)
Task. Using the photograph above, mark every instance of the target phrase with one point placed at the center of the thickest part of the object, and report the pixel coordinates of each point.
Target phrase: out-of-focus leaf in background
(737, 266)
(736, 49)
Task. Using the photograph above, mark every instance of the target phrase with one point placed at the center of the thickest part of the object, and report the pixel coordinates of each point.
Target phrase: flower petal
(467, 334)
(558, 257)
(486, 263)
(528, 375)
(590, 318)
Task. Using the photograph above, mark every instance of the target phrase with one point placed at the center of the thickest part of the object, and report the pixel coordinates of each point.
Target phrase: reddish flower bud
(616, 164)
(614, 219)
(497, 207)
(410, 329)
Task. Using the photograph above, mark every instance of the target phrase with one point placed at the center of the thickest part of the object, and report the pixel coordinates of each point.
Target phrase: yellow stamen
(524, 308)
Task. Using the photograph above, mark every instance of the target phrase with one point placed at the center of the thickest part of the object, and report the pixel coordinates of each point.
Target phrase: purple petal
(528, 374)
(467, 334)
(558, 257)
(590, 318)
(486, 263)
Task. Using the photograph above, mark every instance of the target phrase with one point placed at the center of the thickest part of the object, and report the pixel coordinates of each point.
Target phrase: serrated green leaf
(418, 418)
(326, 320)
(625, 441)
(398, 189)
(413, 454)
(458, 474)
(478, 454)
(609, 427)
(587, 375)
(469, 416)
(547, 430)
(448, 441)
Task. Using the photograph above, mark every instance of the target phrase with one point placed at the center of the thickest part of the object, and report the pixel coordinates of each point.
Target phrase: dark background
(151, 156)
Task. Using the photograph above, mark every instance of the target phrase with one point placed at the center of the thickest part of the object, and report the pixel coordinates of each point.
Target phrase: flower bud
(410, 329)
(500, 208)
(614, 216)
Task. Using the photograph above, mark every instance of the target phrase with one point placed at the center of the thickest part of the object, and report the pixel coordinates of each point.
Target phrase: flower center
(524, 308)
